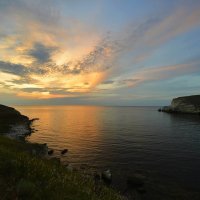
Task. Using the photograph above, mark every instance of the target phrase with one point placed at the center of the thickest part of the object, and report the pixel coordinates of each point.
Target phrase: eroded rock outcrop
(187, 104)
(13, 122)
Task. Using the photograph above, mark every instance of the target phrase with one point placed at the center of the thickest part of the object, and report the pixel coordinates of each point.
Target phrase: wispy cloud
(162, 73)
(12, 68)
(46, 55)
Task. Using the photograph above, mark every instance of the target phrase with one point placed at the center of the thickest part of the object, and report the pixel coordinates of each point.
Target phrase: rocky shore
(28, 172)
(186, 104)
(13, 123)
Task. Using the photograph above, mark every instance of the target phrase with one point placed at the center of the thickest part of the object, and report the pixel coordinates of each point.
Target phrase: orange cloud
(160, 73)
(40, 95)
(81, 59)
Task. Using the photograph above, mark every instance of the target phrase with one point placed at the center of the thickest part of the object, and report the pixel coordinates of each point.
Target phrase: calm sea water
(163, 147)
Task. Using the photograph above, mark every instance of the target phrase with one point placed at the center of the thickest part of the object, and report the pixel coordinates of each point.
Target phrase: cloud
(141, 39)
(130, 81)
(16, 69)
(100, 58)
(161, 73)
(54, 56)
(108, 82)
(138, 41)
(41, 53)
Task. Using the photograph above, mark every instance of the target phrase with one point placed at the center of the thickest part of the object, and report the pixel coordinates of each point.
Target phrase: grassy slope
(195, 99)
(25, 176)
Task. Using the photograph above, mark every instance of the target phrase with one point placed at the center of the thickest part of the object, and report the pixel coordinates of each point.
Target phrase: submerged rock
(34, 119)
(187, 104)
(168, 109)
(136, 180)
(64, 151)
(50, 152)
(106, 175)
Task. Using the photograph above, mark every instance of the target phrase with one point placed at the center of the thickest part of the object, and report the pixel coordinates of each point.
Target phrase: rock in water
(187, 104)
(50, 152)
(34, 119)
(107, 176)
(136, 180)
(64, 151)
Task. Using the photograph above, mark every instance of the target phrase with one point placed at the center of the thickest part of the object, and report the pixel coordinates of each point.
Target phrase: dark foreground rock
(64, 151)
(50, 152)
(187, 104)
(107, 176)
(13, 121)
(10, 113)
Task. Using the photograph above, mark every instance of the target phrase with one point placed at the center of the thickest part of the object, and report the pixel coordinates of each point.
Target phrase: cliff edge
(12, 121)
(186, 104)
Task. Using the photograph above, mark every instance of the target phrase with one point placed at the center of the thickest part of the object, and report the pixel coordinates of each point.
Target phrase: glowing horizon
(107, 52)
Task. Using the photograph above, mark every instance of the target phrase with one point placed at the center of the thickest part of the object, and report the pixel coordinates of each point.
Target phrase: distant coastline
(185, 104)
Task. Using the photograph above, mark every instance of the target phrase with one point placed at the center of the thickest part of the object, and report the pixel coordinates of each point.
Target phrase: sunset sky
(99, 52)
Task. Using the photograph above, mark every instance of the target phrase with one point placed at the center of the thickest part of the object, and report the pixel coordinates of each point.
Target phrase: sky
(98, 52)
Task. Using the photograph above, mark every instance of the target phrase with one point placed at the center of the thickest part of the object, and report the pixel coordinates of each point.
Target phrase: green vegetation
(26, 175)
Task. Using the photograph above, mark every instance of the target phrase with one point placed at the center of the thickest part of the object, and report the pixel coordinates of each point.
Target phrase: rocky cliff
(187, 104)
(9, 112)
(12, 121)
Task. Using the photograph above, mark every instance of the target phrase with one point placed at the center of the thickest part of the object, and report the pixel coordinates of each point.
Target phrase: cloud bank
(46, 54)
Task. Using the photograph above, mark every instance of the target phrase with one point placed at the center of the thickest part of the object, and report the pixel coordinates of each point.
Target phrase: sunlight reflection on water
(123, 139)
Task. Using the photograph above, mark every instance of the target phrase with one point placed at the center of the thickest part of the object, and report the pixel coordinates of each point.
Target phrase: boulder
(64, 151)
(106, 175)
(34, 119)
(168, 109)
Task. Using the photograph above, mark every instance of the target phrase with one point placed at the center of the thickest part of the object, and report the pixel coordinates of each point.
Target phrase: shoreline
(29, 159)
(154, 188)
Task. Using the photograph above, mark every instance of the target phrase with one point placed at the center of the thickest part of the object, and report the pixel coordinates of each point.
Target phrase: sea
(164, 148)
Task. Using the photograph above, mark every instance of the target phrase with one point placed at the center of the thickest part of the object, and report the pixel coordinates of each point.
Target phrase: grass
(27, 176)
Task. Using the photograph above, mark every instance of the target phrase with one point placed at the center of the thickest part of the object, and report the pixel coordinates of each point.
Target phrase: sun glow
(65, 86)
(40, 95)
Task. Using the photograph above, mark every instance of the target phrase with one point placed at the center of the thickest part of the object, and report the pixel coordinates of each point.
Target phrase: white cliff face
(188, 104)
